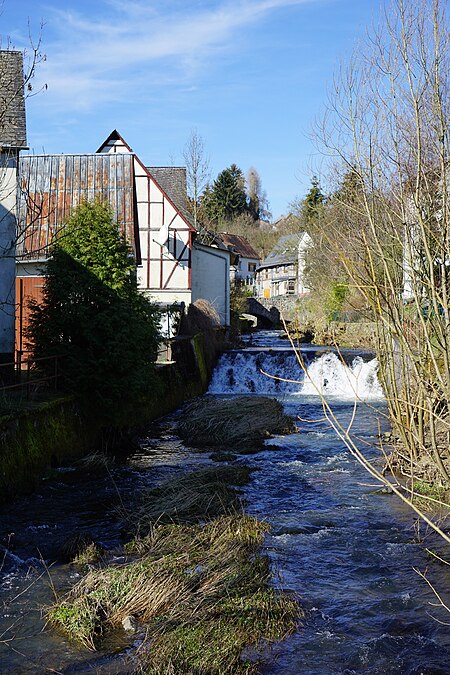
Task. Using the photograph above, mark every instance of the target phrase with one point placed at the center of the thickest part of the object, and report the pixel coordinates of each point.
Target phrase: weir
(308, 372)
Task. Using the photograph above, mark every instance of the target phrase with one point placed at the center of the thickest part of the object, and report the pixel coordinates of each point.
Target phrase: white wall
(304, 244)
(211, 279)
(8, 207)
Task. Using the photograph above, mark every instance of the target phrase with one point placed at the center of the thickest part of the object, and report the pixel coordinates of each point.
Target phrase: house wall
(164, 235)
(276, 281)
(245, 272)
(304, 245)
(8, 208)
(211, 279)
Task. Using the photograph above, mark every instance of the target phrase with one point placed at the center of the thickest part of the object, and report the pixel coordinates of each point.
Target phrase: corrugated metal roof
(12, 100)
(52, 186)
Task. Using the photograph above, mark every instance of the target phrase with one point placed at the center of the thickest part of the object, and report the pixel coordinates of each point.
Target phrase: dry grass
(241, 423)
(201, 587)
(202, 590)
(201, 317)
(197, 496)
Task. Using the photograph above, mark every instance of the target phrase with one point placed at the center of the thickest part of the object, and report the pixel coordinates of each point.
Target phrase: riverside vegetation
(193, 574)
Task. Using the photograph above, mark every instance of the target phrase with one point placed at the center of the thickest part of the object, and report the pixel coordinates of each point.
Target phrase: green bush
(94, 317)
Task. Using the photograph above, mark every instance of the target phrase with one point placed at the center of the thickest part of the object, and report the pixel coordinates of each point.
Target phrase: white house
(149, 203)
(12, 140)
(282, 272)
(245, 259)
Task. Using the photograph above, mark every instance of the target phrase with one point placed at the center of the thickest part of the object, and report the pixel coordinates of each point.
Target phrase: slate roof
(12, 100)
(172, 179)
(239, 245)
(285, 250)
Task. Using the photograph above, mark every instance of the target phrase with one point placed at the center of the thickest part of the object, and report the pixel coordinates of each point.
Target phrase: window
(290, 287)
(251, 267)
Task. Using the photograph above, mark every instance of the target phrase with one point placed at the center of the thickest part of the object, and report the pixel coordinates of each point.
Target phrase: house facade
(12, 141)
(211, 275)
(150, 205)
(282, 272)
(245, 259)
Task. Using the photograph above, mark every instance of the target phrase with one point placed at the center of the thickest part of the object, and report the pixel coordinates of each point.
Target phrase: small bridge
(266, 318)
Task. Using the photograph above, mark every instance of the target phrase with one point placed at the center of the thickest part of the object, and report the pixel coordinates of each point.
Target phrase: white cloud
(100, 57)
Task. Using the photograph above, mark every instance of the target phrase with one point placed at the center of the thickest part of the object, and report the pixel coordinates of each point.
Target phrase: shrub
(94, 317)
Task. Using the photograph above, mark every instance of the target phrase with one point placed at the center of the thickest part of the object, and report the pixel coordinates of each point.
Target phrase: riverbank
(44, 435)
(345, 335)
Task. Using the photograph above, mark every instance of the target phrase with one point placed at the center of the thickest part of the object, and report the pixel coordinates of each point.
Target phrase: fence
(27, 376)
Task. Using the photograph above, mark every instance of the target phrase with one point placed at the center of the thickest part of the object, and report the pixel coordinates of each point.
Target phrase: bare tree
(197, 169)
(258, 205)
(387, 124)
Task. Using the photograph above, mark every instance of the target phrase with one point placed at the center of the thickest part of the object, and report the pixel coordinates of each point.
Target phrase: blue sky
(250, 75)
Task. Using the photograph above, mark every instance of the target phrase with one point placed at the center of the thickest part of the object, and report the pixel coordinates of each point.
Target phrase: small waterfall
(244, 373)
(329, 376)
(276, 373)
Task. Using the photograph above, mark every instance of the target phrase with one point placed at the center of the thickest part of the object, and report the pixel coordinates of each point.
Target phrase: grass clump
(193, 575)
(91, 554)
(241, 423)
(223, 456)
(191, 498)
(427, 489)
(202, 590)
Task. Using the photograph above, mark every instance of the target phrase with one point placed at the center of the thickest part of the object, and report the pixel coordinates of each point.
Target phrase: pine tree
(313, 203)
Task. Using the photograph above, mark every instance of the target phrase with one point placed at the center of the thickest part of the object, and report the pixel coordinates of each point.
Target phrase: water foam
(330, 376)
(280, 373)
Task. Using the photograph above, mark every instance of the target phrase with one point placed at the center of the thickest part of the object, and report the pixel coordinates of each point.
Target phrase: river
(338, 540)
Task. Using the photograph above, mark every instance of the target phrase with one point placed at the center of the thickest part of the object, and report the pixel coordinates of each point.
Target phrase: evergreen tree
(94, 317)
(226, 199)
(313, 204)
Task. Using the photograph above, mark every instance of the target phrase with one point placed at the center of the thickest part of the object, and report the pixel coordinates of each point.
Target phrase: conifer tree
(227, 199)
(94, 317)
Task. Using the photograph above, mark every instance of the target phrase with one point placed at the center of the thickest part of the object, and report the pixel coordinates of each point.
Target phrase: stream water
(343, 545)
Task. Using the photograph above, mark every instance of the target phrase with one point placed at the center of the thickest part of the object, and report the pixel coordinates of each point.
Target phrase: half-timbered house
(282, 272)
(149, 203)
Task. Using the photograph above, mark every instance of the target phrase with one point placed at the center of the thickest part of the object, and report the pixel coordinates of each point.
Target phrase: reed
(238, 424)
(201, 587)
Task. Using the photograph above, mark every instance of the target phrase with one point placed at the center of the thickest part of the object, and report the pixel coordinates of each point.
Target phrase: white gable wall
(211, 279)
(165, 272)
(8, 192)
(304, 244)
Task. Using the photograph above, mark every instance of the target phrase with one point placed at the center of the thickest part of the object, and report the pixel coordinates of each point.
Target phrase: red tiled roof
(239, 245)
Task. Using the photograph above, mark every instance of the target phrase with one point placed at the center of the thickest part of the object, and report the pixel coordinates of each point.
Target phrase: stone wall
(55, 433)
(286, 305)
(35, 439)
